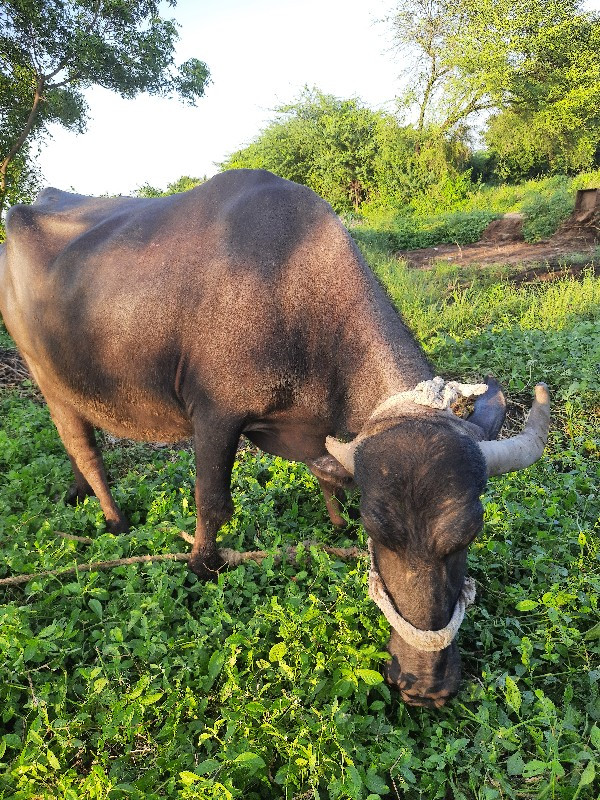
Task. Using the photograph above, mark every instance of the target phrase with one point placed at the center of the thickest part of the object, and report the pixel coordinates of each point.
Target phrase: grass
(544, 202)
(142, 682)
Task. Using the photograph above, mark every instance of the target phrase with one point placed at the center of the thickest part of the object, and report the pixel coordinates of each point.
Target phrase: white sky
(260, 55)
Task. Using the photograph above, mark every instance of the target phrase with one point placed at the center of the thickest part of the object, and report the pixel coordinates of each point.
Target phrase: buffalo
(244, 307)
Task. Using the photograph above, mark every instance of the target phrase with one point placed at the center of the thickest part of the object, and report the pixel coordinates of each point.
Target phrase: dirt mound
(502, 242)
(509, 228)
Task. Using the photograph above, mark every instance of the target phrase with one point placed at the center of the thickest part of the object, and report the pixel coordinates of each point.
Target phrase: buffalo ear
(490, 410)
(328, 469)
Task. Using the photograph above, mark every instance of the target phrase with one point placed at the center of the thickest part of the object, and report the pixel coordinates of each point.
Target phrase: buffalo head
(421, 474)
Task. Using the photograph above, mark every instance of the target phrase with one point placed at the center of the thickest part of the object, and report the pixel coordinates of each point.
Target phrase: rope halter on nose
(438, 394)
(429, 641)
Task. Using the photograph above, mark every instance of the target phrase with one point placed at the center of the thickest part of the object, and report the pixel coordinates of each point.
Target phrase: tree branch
(471, 108)
(232, 558)
(22, 137)
(64, 61)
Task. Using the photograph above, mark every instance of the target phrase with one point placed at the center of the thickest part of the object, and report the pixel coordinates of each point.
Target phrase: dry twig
(15, 580)
(232, 558)
(73, 538)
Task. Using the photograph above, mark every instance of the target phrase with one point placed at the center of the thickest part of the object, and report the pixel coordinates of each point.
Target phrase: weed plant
(142, 683)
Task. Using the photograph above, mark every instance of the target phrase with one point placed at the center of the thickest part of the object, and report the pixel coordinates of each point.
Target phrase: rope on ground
(232, 558)
(95, 565)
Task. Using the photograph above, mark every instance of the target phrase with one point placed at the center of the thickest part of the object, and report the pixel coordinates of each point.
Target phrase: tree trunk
(37, 99)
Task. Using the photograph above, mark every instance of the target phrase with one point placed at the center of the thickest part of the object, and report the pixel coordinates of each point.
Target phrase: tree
(183, 184)
(551, 122)
(533, 61)
(321, 141)
(426, 34)
(350, 154)
(51, 50)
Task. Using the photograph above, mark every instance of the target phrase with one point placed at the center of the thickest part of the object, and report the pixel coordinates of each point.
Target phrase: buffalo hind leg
(215, 447)
(78, 437)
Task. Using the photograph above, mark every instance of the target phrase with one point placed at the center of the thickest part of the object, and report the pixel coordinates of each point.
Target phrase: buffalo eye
(453, 543)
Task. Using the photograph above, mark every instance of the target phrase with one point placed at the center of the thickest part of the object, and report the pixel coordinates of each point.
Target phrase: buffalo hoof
(76, 495)
(206, 567)
(117, 526)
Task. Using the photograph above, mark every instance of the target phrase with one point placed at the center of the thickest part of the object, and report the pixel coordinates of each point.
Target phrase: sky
(260, 54)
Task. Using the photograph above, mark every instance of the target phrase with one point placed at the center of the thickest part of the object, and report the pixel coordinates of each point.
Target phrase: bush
(544, 214)
(413, 231)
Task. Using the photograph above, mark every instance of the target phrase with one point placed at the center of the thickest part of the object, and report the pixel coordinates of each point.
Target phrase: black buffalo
(244, 307)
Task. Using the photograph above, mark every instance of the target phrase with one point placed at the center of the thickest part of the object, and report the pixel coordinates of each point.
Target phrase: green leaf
(355, 779)
(557, 768)
(187, 778)
(96, 607)
(374, 783)
(49, 630)
(99, 685)
(515, 764)
(535, 767)
(370, 676)
(150, 699)
(526, 605)
(568, 694)
(215, 664)
(595, 736)
(277, 652)
(249, 761)
(512, 694)
(588, 775)
(593, 633)
(209, 765)
(52, 760)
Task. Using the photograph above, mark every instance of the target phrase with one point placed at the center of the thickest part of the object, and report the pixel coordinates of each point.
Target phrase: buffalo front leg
(78, 437)
(215, 447)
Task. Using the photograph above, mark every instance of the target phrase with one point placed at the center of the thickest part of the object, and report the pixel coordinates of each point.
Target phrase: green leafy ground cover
(141, 682)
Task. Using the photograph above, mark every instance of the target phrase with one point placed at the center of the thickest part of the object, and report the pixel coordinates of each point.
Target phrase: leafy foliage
(413, 231)
(350, 154)
(545, 203)
(536, 67)
(50, 50)
(551, 122)
(322, 142)
(183, 184)
(142, 682)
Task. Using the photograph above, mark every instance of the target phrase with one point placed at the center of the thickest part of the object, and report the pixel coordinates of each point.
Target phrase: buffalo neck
(380, 357)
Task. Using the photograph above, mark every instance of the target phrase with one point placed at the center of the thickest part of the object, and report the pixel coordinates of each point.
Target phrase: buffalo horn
(343, 451)
(518, 452)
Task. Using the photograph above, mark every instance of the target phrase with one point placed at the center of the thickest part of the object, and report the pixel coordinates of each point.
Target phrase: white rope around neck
(434, 393)
(429, 641)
